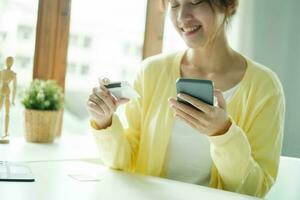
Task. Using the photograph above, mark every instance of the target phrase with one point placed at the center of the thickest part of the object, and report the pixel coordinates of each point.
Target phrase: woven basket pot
(41, 126)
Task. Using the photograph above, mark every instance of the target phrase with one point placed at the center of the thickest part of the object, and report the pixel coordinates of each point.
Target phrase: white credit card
(84, 177)
(122, 90)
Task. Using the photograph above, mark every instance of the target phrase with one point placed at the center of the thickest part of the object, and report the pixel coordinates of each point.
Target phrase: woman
(234, 146)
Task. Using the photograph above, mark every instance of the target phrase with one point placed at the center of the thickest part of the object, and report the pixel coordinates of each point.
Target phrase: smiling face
(196, 21)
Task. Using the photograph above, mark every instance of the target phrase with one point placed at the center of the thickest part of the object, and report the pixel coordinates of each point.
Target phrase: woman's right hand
(101, 104)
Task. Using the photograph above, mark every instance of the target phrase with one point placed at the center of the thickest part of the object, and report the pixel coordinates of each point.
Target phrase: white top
(188, 156)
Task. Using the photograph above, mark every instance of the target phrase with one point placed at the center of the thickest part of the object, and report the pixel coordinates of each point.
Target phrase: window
(25, 32)
(106, 39)
(17, 39)
(73, 40)
(71, 68)
(23, 62)
(87, 42)
(84, 69)
(2, 36)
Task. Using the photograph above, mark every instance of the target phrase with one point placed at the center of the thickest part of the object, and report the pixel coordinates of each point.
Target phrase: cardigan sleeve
(247, 160)
(118, 146)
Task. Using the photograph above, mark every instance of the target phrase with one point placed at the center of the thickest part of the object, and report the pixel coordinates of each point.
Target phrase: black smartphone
(198, 88)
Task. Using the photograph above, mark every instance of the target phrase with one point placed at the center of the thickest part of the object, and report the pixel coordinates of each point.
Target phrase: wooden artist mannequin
(7, 76)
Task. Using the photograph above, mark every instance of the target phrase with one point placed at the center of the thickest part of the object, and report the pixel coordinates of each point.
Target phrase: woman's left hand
(212, 121)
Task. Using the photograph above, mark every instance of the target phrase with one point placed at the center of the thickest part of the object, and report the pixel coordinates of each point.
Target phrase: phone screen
(198, 88)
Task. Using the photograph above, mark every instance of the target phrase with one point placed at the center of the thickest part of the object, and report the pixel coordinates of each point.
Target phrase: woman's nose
(184, 15)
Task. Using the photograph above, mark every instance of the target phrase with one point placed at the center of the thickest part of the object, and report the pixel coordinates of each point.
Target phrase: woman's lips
(190, 30)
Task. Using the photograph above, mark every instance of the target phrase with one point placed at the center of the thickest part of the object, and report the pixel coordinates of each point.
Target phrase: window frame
(154, 29)
(52, 37)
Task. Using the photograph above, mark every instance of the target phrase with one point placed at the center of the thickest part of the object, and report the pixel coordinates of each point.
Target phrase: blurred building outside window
(106, 39)
(17, 39)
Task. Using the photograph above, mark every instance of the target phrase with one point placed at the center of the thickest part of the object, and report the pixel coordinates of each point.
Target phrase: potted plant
(43, 101)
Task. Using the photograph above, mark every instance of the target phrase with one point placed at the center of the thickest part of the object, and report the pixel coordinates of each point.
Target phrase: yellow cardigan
(245, 159)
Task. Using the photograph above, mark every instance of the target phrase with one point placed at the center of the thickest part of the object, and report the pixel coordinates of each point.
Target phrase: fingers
(103, 81)
(103, 88)
(104, 100)
(191, 123)
(101, 101)
(122, 101)
(220, 99)
(196, 102)
(193, 120)
(92, 106)
(108, 101)
(99, 104)
(187, 109)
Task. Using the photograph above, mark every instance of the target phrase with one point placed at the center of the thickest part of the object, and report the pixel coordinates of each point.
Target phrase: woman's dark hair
(229, 7)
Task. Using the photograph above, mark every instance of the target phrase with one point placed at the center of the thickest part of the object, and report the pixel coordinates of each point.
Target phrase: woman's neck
(214, 58)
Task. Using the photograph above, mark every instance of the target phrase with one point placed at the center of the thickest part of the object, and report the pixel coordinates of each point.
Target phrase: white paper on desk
(84, 177)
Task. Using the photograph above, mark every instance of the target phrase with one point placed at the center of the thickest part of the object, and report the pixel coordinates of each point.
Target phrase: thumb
(103, 80)
(220, 99)
(122, 101)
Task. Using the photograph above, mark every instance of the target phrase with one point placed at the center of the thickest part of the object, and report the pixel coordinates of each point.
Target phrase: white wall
(270, 34)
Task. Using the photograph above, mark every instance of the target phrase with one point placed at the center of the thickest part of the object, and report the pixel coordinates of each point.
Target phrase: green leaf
(43, 95)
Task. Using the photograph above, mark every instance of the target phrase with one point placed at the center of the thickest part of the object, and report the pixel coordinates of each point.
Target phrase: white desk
(52, 176)
(64, 148)
(53, 182)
